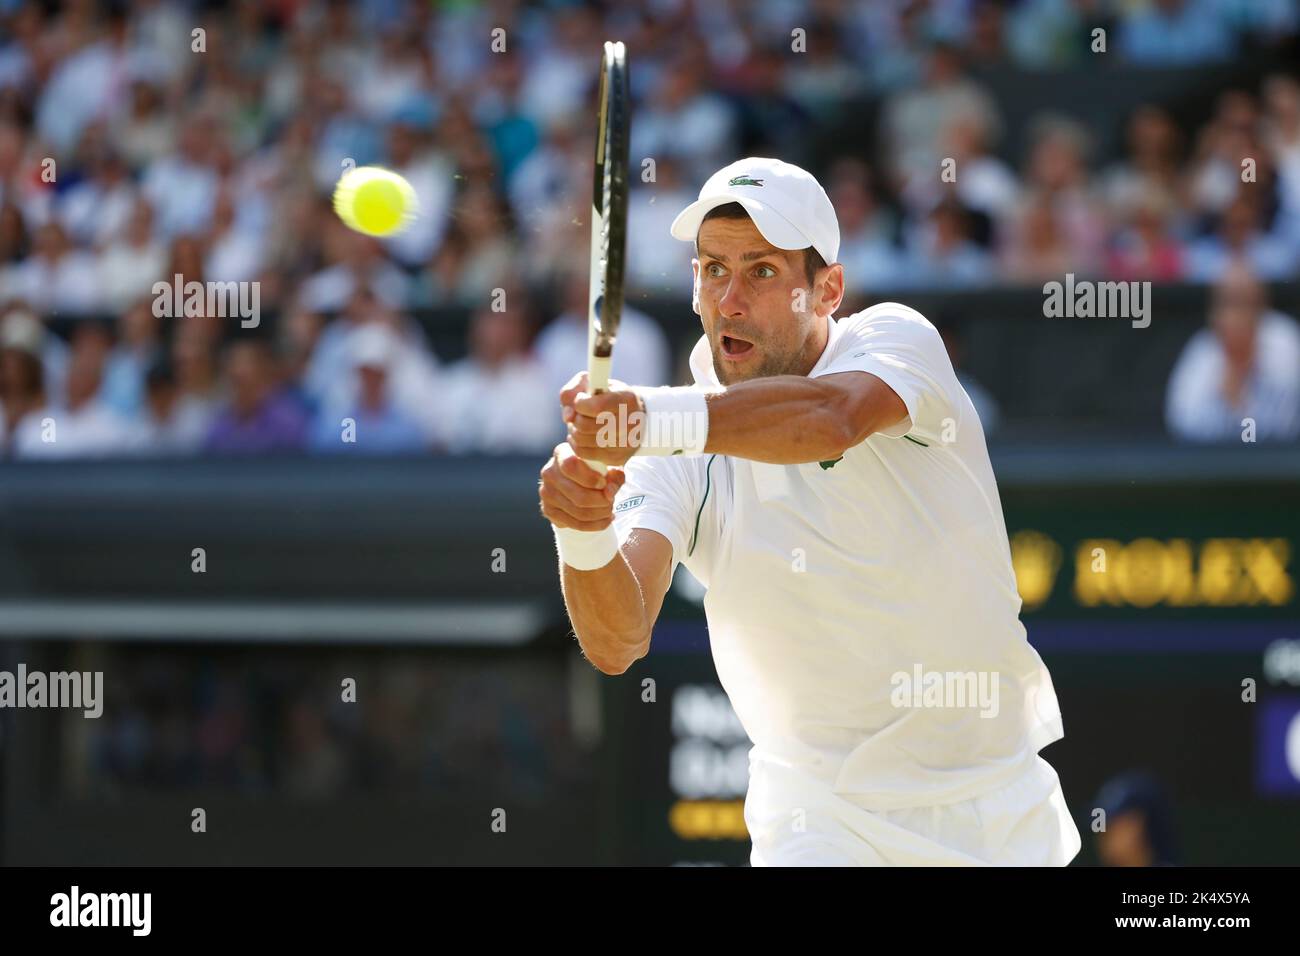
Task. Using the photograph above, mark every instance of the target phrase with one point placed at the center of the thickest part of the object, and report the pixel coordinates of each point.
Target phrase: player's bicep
(907, 355)
(867, 403)
(650, 556)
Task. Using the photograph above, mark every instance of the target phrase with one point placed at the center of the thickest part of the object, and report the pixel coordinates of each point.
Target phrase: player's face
(755, 303)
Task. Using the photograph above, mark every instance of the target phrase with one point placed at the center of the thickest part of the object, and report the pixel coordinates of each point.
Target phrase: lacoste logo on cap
(744, 181)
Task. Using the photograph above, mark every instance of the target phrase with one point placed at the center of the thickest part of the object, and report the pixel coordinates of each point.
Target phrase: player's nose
(733, 301)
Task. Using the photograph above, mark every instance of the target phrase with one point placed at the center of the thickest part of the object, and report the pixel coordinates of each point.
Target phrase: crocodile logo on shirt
(831, 463)
(744, 181)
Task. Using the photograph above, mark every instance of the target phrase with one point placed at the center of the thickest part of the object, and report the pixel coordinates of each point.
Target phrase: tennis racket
(608, 219)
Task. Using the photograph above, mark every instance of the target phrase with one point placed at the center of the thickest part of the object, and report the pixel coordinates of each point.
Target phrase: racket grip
(597, 381)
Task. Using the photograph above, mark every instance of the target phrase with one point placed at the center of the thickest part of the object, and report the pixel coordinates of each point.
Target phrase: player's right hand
(575, 495)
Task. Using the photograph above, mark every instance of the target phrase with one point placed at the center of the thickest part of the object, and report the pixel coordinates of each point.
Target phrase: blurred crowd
(145, 142)
(418, 724)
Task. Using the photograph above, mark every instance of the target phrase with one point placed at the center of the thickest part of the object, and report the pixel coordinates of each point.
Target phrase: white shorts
(1023, 824)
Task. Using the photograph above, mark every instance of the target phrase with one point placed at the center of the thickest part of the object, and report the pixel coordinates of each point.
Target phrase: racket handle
(597, 381)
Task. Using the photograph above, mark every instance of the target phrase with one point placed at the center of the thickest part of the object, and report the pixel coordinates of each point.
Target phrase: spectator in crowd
(355, 261)
(1152, 170)
(1057, 174)
(871, 258)
(641, 357)
(986, 34)
(829, 79)
(24, 174)
(479, 250)
(13, 237)
(982, 183)
(299, 212)
(942, 252)
(22, 376)
(1175, 33)
(546, 183)
(85, 427)
(342, 130)
(1240, 238)
(194, 361)
(1282, 136)
(230, 253)
(915, 120)
(560, 73)
(138, 345)
(1145, 248)
(654, 265)
(397, 70)
(185, 261)
(1052, 34)
(98, 206)
(300, 334)
(1139, 828)
(132, 261)
(51, 348)
(771, 121)
(1036, 247)
(497, 399)
(431, 174)
(551, 195)
(182, 186)
(124, 159)
(686, 121)
(19, 59)
(1216, 170)
(499, 111)
(414, 375)
(145, 131)
(87, 83)
(172, 423)
(372, 424)
(58, 279)
(897, 36)
(259, 417)
(1241, 376)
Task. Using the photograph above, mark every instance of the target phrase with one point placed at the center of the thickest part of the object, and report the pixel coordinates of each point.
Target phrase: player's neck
(817, 346)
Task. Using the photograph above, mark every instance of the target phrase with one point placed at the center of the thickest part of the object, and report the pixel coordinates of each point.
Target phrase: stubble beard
(769, 366)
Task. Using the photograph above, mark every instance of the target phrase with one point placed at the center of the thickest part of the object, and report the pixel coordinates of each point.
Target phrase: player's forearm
(783, 419)
(608, 613)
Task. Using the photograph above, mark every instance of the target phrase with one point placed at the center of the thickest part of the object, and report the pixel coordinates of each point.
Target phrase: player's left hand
(602, 427)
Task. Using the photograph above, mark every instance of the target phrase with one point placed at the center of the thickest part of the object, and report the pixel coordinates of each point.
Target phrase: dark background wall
(222, 687)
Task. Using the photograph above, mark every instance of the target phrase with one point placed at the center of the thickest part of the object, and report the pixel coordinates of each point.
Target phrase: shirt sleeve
(658, 494)
(907, 353)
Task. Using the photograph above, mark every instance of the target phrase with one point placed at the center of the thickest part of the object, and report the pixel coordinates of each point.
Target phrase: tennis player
(828, 482)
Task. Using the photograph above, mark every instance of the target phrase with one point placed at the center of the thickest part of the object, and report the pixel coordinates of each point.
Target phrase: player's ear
(830, 290)
(695, 286)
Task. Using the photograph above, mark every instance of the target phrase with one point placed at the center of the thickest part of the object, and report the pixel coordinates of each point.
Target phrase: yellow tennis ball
(375, 201)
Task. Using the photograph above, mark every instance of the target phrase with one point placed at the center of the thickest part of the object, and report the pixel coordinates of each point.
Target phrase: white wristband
(676, 420)
(586, 550)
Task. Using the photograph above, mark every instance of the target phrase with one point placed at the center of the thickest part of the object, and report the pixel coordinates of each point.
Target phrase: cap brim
(774, 227)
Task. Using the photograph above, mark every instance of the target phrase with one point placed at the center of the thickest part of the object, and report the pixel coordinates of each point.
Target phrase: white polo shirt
(828, 581)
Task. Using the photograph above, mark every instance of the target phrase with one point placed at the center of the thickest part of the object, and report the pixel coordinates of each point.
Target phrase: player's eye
(770, 272)
(714, 269)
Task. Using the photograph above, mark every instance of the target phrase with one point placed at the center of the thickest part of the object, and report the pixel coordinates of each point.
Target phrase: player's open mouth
(735, 347)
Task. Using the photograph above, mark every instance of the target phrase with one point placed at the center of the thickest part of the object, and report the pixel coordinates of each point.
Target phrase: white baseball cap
(787, 204)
